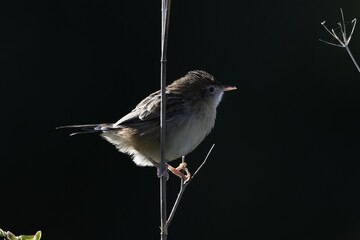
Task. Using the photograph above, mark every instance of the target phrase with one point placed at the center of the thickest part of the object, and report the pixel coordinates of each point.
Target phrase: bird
(191, 103)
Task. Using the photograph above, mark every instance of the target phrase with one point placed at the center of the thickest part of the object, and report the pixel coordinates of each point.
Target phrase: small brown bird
(191, 103)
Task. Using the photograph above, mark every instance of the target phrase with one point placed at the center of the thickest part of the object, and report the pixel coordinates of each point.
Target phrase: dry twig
(342, 38)
(183, 186)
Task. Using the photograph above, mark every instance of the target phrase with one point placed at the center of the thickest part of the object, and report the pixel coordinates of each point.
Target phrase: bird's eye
(211, 89)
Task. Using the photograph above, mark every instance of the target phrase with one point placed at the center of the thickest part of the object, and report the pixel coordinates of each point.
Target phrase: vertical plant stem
(165, 9)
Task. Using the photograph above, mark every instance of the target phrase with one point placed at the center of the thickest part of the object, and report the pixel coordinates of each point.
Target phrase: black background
(286, 161)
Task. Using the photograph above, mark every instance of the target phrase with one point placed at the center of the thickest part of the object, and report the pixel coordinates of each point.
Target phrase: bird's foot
(178, 171)
(162, 173)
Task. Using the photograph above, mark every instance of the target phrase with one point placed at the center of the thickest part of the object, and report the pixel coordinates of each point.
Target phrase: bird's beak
(226, 88)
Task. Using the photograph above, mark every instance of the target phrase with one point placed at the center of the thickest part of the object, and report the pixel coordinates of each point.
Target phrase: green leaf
(11, 236)
(37, 236)
(26, 237)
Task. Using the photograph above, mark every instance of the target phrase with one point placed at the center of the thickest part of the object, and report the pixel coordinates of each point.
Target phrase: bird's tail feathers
(90, 128)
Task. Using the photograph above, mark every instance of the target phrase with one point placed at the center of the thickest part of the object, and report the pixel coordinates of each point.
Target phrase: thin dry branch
(183, 186)
(165, 15)
(342, 38)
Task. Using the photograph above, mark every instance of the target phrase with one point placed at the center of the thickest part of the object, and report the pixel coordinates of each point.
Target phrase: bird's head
(200, 86)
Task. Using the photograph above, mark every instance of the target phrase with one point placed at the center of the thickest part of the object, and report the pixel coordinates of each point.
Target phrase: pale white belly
(187, 137)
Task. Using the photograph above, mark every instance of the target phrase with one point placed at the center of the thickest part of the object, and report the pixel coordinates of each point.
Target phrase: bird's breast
(187, 133)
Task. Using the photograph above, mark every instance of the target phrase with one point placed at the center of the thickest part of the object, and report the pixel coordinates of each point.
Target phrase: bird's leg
(160, 172)
(177, 171)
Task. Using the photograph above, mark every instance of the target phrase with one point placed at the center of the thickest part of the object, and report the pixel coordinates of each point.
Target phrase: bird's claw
(178, 171)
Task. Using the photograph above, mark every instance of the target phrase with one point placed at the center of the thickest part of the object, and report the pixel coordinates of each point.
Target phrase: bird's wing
(147, 112)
